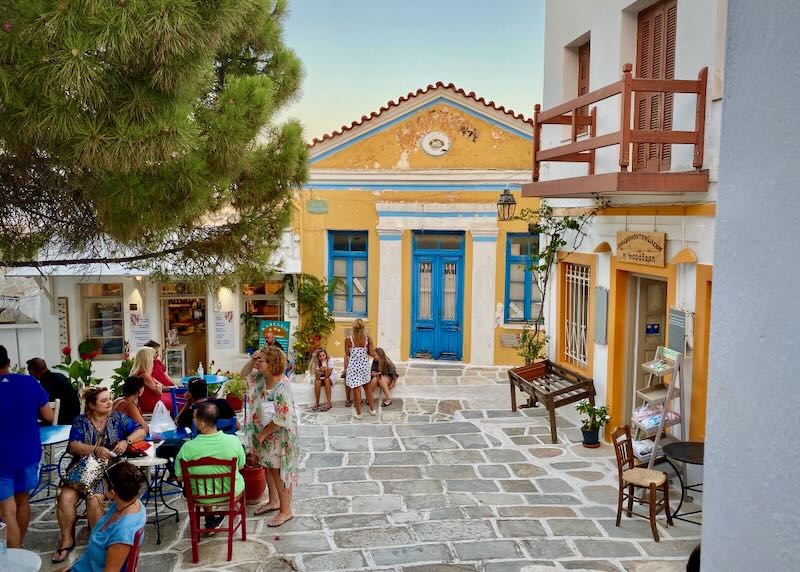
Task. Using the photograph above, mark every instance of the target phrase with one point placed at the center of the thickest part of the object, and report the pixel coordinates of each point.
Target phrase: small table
(50, 435)
(21, 560)
(689, 452)
(153, 469)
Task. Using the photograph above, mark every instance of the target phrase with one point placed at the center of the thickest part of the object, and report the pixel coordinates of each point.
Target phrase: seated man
(212, 443)
(198, 393)
(57, 386)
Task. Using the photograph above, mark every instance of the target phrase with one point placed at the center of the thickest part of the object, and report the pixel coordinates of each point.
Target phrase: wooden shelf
(666, 439)
(650, 431)
(657, 393)
(658, 372)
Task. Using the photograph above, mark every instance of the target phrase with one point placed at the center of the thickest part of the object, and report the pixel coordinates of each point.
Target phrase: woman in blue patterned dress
(271, 430)
(102, 434)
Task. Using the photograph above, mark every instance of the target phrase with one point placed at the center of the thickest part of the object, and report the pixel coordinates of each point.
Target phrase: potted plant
(593, 418)
(122, 372)
(255, 480)
(317, 320)
(233, 391)
(80, 371)
(250, 323)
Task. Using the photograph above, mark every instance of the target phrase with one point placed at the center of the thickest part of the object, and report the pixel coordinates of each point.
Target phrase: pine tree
(141, 131)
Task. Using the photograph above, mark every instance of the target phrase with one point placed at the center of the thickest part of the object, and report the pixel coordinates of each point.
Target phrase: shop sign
(317, 206)
(645, 248)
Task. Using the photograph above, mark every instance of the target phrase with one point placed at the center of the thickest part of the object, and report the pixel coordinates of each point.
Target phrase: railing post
(574, 134)
(592, 133)
(625, 118)
(537, 133)
(700, 118)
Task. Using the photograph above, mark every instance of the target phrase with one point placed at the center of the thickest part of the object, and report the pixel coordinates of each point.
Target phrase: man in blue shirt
(22, 403)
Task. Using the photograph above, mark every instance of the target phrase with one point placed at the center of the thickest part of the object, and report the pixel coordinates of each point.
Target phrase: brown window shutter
(670, 34)
(583, 80)
(655, 59)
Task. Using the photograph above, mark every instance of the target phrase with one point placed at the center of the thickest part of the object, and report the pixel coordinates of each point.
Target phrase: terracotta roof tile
(413, 94)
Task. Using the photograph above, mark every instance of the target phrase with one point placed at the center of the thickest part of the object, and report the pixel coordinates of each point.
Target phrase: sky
(359, 54)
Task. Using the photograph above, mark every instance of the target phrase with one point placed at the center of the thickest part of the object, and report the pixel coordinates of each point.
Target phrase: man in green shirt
(212, 443)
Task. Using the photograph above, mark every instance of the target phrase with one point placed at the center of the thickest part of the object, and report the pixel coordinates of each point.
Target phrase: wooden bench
(549, 383)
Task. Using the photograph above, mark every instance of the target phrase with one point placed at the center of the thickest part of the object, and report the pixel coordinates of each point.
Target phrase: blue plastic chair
(179, 399)
(225, 425)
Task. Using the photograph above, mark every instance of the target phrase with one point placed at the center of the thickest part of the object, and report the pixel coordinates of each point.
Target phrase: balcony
(641, 177)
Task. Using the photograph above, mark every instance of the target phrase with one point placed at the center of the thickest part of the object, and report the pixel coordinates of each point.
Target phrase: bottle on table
(200, 371)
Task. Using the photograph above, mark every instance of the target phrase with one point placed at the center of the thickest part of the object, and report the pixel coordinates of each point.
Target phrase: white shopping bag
(161, 421)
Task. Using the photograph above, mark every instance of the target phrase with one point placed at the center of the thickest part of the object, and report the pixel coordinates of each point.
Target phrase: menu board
(140, 329)
(223, 331)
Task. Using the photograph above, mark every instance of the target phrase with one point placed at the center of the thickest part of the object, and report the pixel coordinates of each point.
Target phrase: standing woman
(273, 441)
(358, 349)
(153, 390)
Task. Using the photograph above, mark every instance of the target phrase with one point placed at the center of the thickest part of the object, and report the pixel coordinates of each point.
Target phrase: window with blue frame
(347, 265)
(523, 295)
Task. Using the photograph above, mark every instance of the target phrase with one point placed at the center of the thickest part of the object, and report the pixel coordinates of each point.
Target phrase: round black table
(690, 452)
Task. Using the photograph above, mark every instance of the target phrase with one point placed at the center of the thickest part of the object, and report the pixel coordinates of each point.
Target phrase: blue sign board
(277, 328)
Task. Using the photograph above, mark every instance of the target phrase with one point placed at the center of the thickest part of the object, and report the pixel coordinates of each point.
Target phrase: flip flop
(273, 524)
(264, 509)
(66, 550)
(326, 407)
(386, 402)
(348, 403)
(314, 408)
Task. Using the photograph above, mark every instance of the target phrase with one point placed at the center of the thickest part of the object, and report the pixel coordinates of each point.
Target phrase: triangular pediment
(441, 127)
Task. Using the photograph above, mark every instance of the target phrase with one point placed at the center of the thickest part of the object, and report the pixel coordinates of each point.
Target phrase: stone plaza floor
(447, 478)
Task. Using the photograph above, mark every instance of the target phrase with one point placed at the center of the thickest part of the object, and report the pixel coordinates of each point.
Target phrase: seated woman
(143, 364)
(384, 374)
(97, 436)
(128, 404)
(112, 539)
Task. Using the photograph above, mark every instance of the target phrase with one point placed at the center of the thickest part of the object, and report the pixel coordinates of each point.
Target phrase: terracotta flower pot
(235, 402)
(255, 483)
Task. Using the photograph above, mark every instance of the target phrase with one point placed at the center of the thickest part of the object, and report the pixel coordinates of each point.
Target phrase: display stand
(667, 363)
(176, 361)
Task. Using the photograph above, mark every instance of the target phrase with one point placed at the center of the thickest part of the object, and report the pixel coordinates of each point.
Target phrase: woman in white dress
(358, 353)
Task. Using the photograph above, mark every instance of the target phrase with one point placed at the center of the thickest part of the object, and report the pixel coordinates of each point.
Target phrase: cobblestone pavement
(447, 478)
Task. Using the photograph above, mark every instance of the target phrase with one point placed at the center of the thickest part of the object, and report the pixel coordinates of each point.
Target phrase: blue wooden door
(438, 292)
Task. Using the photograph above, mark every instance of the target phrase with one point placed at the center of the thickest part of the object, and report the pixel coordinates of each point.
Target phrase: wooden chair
(632, 477)
(133, 556)
(211, 494)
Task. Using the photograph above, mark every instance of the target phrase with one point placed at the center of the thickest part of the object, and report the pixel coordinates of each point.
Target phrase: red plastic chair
(203, 486)
(133, 555)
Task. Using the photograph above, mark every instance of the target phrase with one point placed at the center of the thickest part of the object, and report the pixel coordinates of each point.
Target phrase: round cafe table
(691, 453)
(153, 469)
(21, 560)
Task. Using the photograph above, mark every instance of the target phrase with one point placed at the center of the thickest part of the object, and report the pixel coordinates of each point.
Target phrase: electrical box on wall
(601, 315)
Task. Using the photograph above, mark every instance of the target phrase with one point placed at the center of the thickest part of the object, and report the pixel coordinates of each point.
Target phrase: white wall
(751, 517)
(610, 25)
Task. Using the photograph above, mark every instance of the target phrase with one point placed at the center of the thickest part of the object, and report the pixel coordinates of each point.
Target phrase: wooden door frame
(618, 331)
(702, 321)
(460, 285)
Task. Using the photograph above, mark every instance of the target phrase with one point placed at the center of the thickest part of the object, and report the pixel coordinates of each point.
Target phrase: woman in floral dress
(272, 443)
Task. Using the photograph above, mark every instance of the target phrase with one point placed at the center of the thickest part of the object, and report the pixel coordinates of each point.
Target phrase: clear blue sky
(359, 54)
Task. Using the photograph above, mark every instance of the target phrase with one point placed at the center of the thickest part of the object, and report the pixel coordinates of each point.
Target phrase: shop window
(103, 318)
(347, 265)
(264, 301)
(576, 314)
(523, 298)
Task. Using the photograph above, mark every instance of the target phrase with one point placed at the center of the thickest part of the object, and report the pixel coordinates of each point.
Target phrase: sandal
(326, 407)
(66, 550)
(348, 403)
(264, 509)
(314, 408)
(277, 521)
(386, 402)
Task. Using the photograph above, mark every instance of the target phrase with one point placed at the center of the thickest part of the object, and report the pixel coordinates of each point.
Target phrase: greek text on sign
(641, 247)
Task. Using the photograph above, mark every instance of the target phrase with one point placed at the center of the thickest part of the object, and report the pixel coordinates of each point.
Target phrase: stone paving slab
(430, 484)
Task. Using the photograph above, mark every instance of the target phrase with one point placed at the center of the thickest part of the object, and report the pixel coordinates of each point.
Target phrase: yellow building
(401, 206)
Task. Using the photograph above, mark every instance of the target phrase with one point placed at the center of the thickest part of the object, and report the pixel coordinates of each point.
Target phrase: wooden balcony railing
(583, 151)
